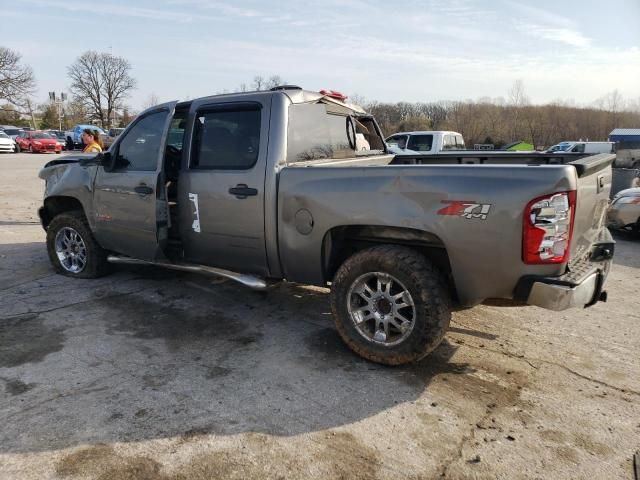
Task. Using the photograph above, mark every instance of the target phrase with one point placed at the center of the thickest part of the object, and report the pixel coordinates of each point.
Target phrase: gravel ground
(150, 374)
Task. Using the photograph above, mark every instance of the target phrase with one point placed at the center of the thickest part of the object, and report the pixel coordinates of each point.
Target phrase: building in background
(627, 147)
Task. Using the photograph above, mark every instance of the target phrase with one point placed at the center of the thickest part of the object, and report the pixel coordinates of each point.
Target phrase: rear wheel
(390, 304)
(69, 144)
(17, 149)
(72, 249)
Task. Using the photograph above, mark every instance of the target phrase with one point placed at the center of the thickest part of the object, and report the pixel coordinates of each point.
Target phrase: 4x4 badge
(465, 209)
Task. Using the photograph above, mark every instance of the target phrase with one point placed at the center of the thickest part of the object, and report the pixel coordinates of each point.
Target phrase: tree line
(499, 121)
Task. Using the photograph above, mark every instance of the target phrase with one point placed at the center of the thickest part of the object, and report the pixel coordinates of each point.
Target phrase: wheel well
(56, 205)
(341, 242)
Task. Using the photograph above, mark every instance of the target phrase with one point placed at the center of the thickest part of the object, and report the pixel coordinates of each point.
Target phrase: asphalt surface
(150, 374)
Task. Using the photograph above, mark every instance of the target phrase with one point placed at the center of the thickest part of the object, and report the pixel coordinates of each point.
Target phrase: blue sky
(575, 50)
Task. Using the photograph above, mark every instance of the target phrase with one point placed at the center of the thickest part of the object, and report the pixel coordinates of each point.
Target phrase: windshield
(13, 131)
(42, 135)
(3, 135)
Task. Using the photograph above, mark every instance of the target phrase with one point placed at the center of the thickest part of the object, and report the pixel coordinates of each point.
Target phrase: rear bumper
(581, 288)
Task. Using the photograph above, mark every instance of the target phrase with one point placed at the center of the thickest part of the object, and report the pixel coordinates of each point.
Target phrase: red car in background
(37, 141)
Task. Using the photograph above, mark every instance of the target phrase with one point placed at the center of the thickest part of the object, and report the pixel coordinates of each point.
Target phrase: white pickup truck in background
(425, 143)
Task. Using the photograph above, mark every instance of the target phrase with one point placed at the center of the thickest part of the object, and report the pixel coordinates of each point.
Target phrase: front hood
(61, 164)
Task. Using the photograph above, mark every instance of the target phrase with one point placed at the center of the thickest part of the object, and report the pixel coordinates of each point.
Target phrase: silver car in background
(624, 212)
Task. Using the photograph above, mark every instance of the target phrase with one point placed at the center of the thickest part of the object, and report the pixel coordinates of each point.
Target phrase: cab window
(226, 139)
(140, 147)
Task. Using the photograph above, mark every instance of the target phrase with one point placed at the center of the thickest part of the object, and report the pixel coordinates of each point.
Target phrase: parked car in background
(73, 137)
(13, 133)
(59, 135)
(624, 212)
(425, 143)
(109, 137)
(39, 142)
(583, 147)
(7, 145)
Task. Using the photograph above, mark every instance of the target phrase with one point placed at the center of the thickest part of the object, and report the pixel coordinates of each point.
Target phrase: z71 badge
(465, 209)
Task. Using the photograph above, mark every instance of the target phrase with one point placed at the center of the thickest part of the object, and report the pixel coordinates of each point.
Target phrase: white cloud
(565, 36)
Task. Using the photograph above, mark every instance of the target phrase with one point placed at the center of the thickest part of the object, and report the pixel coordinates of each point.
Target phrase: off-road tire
(424, 282)
(97, 265)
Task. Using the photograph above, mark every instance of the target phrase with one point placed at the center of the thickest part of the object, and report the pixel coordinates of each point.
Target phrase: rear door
(125, 199)
(221, 193)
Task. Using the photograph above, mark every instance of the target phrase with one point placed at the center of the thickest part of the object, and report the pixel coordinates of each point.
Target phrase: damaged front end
(68, 185)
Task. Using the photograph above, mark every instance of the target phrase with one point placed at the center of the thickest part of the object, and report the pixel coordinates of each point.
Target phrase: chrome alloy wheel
(71, 250)
(381, 308)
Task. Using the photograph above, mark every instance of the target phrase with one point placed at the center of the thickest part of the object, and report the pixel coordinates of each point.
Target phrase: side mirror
(108, 161)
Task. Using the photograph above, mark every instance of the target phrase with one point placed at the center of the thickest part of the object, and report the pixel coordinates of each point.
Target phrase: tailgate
(594, 185)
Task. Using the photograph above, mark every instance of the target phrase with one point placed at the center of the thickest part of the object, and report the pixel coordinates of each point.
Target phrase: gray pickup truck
(295, 185)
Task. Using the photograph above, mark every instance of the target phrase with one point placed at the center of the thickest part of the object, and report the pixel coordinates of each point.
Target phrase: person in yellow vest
(91, 138)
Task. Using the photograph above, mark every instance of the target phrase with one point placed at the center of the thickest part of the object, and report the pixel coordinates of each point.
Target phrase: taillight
(548, 227)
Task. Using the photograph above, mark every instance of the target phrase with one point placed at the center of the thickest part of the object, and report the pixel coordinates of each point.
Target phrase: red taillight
(333, 94)
(548, 228)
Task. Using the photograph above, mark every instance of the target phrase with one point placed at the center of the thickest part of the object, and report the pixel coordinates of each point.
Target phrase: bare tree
(258, 83)
(101, 81)
(274, 81)
(17, 82)
(151, 101)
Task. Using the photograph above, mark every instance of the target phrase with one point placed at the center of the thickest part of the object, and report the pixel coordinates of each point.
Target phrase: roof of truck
(625, 131)
(296, 95)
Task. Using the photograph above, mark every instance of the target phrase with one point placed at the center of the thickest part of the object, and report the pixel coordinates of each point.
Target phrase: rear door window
(420, 143)
(226, 139)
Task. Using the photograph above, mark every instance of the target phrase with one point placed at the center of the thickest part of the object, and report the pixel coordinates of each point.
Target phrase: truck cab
(425, 143)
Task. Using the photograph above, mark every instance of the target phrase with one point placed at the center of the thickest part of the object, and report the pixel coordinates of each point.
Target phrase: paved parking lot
(150, 374)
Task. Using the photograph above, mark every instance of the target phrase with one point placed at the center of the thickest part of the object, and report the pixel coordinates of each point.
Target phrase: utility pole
(58, 101)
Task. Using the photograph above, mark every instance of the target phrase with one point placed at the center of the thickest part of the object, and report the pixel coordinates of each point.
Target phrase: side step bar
(250, 281)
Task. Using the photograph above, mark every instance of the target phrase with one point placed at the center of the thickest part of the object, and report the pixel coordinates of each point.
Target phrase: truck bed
(392, 192)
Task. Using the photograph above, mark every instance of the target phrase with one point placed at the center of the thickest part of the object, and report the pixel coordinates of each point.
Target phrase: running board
(250, 281)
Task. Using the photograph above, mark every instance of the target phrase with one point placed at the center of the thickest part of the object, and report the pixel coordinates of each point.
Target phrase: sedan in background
(7, 145)
(13, 133)
(624, 212)
(37, 141)
(59, 135)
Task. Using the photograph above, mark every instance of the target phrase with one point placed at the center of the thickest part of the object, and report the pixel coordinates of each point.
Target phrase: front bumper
(582, 287)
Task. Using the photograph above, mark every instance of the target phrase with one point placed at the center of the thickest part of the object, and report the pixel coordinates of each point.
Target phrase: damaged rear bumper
(582, 287)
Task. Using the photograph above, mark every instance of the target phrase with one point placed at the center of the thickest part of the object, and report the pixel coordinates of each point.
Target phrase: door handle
(243, 191)
(143, 190)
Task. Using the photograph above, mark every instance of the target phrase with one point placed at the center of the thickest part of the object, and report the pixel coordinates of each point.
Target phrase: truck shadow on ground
(174, 356)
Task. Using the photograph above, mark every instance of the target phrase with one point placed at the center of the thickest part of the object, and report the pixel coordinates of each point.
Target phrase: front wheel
(72, 249)
(390, 304)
